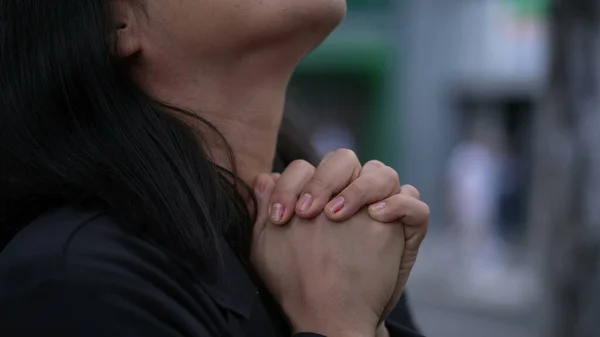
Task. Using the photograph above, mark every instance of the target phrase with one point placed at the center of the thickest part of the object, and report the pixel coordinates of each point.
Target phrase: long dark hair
(76, 129)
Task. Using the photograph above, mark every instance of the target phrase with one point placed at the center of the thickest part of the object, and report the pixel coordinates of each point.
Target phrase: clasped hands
(335, 244)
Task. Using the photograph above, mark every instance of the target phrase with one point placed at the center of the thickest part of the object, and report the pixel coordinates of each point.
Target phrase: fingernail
(305, 202)
(378, 207)
(276, 212)
(337, 205)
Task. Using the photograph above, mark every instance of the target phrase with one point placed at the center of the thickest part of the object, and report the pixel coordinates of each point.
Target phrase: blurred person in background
(331, 136)
(474, 176)
(130, 132)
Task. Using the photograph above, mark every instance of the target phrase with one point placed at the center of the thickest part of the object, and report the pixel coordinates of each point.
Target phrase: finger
(275, 176)
(413, 215)
(262, 191)
(334, 173)
(374, 165)
(372, 187)
(370, 167)
(403, 208)
(287, 190)
(410, 191)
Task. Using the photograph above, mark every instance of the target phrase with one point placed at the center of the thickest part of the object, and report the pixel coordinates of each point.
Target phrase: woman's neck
(244, 102)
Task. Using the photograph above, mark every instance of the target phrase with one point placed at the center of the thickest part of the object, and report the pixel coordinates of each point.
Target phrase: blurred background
(489, 107)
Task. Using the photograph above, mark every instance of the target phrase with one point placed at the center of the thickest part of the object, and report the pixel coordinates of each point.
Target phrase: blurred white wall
(446, 43)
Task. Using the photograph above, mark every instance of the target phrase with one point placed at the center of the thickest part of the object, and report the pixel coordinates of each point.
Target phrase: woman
(123, 209)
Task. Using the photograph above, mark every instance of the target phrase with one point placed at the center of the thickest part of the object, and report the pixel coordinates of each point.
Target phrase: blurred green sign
(530, 7)
(359, 70)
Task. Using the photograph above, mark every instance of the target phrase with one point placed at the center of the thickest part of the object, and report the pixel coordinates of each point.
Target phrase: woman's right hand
(330, 278)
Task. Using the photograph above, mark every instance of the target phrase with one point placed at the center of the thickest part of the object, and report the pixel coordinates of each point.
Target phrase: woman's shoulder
(78, 273)
(46, 240)
(71, 243)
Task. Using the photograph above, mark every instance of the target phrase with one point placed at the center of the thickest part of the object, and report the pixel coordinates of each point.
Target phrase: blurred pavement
(446, 304)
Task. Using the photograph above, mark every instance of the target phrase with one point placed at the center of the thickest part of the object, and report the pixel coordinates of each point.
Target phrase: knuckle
(390, 174)
(419, 213)
(369, 180)
(329, 155)
(413, 191)
(300, 164)
(347, 154)
(375, 163)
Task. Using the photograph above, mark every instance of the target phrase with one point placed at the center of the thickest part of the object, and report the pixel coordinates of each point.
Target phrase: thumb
(263, 187)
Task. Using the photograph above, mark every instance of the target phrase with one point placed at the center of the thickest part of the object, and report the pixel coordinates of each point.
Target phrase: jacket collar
(232, 285)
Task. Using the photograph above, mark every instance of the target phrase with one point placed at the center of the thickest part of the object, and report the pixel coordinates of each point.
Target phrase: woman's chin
(298, 27)
(324, 14)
